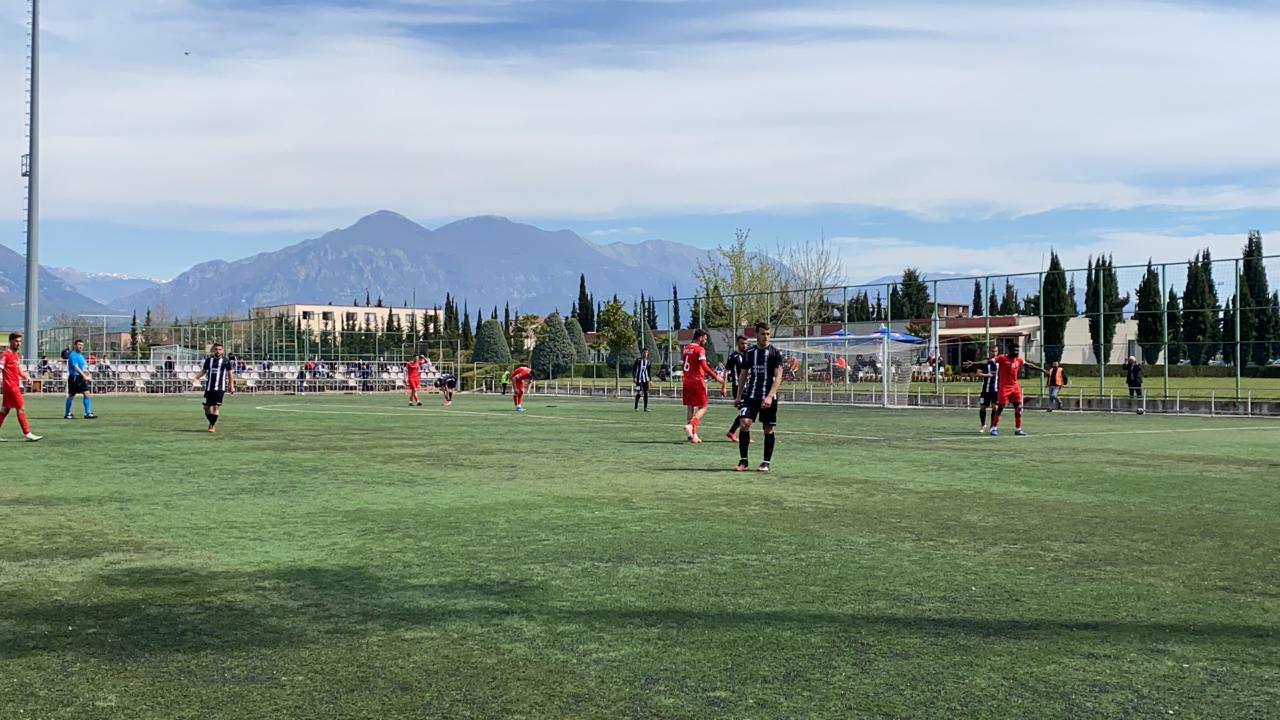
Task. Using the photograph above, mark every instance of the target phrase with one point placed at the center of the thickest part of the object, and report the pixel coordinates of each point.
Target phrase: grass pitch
(351, 557)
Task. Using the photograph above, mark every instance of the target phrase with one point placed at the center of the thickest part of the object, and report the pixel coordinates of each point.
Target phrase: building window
(370, 319)
(326, 316)
(306, 314)
(350, 317)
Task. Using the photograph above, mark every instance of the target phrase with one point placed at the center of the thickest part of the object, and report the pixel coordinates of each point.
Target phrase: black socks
(744, 444)
(768, 447)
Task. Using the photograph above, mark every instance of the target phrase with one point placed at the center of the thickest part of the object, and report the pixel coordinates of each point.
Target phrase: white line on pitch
(1122, 432)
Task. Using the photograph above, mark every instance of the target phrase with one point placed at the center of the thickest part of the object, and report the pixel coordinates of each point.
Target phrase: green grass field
(350, 557)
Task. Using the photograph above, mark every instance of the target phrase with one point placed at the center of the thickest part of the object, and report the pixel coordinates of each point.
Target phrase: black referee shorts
(77, 385)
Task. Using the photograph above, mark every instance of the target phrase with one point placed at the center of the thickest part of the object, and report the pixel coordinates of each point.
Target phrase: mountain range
(485, 261)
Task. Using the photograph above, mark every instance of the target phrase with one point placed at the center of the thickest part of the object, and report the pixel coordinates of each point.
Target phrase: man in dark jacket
(1133, 377)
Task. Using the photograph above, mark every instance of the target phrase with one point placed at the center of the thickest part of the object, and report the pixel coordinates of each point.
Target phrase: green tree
(735, 270)
(1030, 306)
(1104, 305)
(978, 310)
(1177, 350)
(586, 308)
(613, 325)
(1199, 311)
(148, 331)
(993, 303)
(1149, 312)
(133, 334)
(1229, 332)
(465, 327)
(916, 303)
(1273, 331)
(578, 338)
(1257, 314)
(554, 353)
(896, 305)
(675, 307)
(1009, 302)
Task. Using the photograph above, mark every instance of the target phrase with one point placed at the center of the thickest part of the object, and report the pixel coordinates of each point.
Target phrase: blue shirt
(76, 364)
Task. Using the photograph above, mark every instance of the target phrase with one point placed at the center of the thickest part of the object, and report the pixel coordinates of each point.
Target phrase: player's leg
(88, 406)
(697, 418)
(1017, 417)
(995, 417)
(747, 417)
(688, 422)
(636, 406)
(982, 413)
(71, 398)
(770, 418)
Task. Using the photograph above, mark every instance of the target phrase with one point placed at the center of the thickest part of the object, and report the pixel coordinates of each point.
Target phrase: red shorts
(415, 384)
(12, 398)
(518, 386)
(695, 395)
(1010, 396)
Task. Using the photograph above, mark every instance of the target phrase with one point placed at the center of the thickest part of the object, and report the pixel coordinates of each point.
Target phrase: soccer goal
(886, 359)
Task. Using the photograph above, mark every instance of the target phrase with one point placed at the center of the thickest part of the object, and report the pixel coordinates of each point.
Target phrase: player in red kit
(11, 376)
(1007, 366)
(695, 385)
(520, 377)
(413, 376)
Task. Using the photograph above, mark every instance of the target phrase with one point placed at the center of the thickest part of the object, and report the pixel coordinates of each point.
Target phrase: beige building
(336, 317)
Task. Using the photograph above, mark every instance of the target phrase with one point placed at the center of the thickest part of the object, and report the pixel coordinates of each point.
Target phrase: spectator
(1057, 380)
(1133, 377)
(664, 372)
(302, 379)
(93, 358)
(168, 364)
(46, 369)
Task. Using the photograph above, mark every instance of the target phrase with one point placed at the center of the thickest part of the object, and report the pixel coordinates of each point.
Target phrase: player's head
(763, 332)
(1013, 350)
(644, 352)
(741, 342)
(1055, 363)
(79, 344)
(699, 336)
(993, 350)
(217, 350)
(15, 341)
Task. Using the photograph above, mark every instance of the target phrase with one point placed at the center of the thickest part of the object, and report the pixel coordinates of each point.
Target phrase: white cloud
(867, 258)
(333, 112)
(614, 232)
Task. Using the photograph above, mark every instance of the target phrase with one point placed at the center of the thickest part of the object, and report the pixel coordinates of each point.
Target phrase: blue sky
(953, 137)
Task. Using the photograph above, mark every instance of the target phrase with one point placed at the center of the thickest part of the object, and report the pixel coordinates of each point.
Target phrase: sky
(953, 137)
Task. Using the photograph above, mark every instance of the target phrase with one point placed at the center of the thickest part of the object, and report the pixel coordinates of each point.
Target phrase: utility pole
(31, 171)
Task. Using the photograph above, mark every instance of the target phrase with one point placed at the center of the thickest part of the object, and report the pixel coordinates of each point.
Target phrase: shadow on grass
(174, 609)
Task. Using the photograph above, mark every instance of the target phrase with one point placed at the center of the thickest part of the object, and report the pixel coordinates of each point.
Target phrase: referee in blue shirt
(78, 381)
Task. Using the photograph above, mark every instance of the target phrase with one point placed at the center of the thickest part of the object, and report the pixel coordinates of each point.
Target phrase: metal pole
(1040, 332)
(937, 344)
(986, 295)
(1239, 359)
(1164, 324)
(1097, 344)
(32, 324)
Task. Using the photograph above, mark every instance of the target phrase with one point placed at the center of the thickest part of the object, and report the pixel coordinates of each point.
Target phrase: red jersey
(10, 367)
(695, 364)
(413, 367)
(521, 374)
(1007, 369)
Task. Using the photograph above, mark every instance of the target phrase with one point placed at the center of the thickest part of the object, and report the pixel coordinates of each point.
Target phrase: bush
(491, 344)
(554, 354)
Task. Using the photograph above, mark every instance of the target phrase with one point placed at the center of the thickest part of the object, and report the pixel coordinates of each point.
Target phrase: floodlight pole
(31, 170)
(1164, 323)
(1239, 360)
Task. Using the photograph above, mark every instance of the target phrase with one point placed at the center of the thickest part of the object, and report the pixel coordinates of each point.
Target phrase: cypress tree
(978, 309)
(1009, 303)
(1259, 311)
(554, 353)
(585, 306)
(578, 338)
(491, 344)
(1057, 309)
(1199, 314)
(1149, 312)
(1104, 312)
(993, 303)
(675, 307)
(1229, 332)
(1177, 350)
(465, 327)
(916, 304)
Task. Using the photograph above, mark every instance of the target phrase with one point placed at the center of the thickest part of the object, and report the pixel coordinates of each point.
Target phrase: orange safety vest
(1055, 376)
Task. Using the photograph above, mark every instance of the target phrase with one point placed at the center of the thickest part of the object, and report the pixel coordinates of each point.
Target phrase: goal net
(881, 363)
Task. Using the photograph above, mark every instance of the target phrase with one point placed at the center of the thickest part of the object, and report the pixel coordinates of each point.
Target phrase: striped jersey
(218, 374)
(762, 363)
(640, 373)
(991, 383)
(733, 366)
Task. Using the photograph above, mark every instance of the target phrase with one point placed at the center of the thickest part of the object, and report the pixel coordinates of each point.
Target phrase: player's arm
(742, 385)
(1035, 367)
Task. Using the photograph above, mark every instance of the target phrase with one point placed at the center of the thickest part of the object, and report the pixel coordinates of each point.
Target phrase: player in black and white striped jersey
(217, 377)
(990, 384)
(757, 398)
(640, 376)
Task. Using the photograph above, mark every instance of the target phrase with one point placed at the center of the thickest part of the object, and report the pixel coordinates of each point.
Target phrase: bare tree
(744, 278)
(814, 269)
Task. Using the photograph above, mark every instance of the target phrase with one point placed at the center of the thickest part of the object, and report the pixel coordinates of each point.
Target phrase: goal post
(884, 359)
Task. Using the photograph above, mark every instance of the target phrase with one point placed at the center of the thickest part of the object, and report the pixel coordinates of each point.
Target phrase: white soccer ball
(1142, 411)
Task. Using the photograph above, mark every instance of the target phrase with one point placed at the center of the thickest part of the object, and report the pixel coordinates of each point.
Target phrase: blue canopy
(839, 338)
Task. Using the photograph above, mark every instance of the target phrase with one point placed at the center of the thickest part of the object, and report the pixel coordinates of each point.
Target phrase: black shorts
(450, 383)
(642, 387)
(753, 409)
(990, 398)
(213, 397)
(77, 385)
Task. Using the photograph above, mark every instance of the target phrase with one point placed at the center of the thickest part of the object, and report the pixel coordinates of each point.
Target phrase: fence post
(1164, 323)
(1239, 358)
